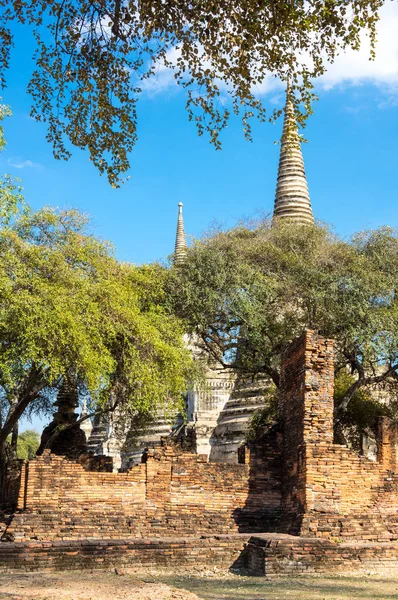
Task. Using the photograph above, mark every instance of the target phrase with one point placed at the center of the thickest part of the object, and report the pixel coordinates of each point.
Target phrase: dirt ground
(85, 585)
(193, 585)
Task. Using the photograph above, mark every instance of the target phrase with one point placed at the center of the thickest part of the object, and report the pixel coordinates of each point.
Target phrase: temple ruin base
(330, 508)
(263, 554)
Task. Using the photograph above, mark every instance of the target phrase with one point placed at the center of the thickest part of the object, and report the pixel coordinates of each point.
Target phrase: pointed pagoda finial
(292, 199)
(181, 242)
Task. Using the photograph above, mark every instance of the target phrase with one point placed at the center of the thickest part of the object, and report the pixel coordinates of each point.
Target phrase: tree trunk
(3, 467)
(6, 456)
(31, 391)
(14, 437)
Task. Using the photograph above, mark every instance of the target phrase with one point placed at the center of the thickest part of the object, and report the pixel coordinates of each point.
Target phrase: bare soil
(193, 584)
(83, 585)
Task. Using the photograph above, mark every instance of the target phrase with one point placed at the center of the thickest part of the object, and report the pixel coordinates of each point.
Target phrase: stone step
(249, 404)
(237, 412)
(247, 392)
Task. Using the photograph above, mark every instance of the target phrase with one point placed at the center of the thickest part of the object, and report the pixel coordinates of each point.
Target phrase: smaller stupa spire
(181, 241)
(292, 199)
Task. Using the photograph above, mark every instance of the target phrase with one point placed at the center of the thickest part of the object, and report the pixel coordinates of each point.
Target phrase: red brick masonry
(170, 494)
(329, 490)
(295, 480)
(263, 554)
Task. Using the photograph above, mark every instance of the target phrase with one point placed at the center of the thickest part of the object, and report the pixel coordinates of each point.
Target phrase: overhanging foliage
(94, 58)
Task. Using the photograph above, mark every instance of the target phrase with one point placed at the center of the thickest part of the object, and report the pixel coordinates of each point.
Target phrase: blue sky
(351, 157)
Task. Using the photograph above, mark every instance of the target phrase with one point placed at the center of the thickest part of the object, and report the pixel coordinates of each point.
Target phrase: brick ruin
(295, 502)
(329, 490)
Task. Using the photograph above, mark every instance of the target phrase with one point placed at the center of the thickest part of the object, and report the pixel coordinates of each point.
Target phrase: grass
(316, 587)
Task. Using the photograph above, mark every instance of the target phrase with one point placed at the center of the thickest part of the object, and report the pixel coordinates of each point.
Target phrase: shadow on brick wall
(262, 509)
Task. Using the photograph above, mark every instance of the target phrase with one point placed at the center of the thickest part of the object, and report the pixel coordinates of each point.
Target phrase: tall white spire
(292, 199)
(181, 241)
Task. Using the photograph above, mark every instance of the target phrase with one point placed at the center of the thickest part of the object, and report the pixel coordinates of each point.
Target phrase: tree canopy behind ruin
(245, 293)
(27, 444)
(66, 304)
(94, 58)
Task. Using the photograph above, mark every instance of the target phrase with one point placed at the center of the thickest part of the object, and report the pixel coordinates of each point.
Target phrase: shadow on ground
(336, 587)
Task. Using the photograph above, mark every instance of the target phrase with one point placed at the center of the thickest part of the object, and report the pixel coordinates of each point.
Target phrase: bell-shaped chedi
(63, 436)
(292, 199)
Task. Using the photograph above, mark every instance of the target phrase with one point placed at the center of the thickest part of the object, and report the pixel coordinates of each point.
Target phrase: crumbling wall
(53, 482)
(387, 444)
(306, 411)
(170, 494)
(293, 480)
(329, 490)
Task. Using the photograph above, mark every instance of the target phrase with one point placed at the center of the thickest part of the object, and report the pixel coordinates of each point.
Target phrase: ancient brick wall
(387, 444)
(268, 554)
(170, 494)
(339, 480)
(52, 482)
(277, 555)
(291, 410)
(307, 385)
(207, 551)
(348, 496)
(306, 410)
(294, 479)
(328, 489)
(264, 459)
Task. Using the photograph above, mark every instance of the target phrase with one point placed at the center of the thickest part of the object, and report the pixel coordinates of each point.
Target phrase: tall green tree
(93, 59)
(10, 189)
(245, 293)
(27, 444)
(67, 304)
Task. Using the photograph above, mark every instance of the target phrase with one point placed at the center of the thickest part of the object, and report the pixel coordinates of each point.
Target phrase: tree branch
(33, 386)
(363, 381)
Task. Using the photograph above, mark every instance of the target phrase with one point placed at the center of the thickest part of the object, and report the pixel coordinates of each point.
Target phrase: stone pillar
(307, 384)
(306, 412)
(387, 444)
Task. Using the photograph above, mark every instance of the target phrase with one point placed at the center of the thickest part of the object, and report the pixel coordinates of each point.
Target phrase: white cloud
(354, 67)
(268, 85)
(164, 79)
(350, 68)
(17, 163)
(164, 76)
(160, 82)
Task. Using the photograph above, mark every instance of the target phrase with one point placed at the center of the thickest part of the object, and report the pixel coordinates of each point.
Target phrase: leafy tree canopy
(245, 293)
(10, 190)
(363, 411)
(93, 59)
(67, 304)
(27, 444)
